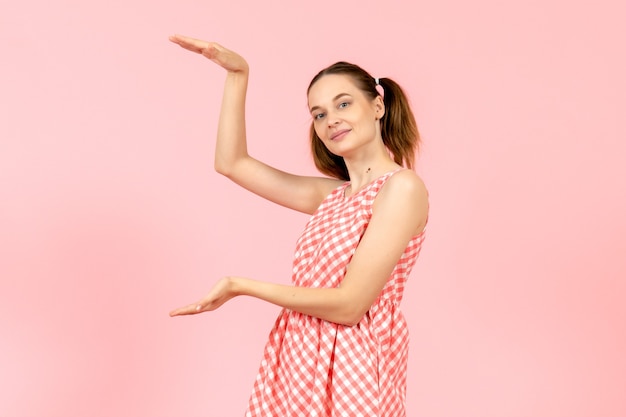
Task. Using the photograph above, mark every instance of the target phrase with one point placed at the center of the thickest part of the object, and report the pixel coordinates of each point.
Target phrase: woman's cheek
(319, 132)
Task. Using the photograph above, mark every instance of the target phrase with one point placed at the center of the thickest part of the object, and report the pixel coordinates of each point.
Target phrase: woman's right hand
(227, 59)
(301, 193)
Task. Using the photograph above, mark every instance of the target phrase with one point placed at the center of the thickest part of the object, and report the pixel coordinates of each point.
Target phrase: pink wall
(111, 215)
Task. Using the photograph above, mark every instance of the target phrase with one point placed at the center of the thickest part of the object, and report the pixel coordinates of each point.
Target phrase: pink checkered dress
(316, 368)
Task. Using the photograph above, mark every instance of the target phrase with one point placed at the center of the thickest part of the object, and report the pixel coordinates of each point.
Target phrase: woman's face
(344, 118)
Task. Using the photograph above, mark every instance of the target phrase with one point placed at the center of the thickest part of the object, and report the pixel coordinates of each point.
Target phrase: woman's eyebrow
(334, 98)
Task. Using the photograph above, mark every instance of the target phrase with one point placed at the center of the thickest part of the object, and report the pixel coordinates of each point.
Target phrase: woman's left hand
(221, 292)
(225, 58)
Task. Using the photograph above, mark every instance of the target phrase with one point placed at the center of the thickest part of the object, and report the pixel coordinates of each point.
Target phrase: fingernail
(197, 308)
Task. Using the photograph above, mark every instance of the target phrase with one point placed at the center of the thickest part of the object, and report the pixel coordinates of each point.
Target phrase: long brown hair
(398, 126)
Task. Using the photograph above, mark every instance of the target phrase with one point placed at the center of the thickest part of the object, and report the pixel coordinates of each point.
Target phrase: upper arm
(400, 212)
(301, 193)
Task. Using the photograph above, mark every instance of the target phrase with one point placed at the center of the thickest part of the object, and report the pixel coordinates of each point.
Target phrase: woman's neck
(365, 171)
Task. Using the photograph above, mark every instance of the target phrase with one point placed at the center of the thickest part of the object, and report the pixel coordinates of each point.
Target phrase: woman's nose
(332, 120)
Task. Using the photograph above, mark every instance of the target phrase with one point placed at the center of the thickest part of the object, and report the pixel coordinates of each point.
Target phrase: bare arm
(300, 193)
(400, 212)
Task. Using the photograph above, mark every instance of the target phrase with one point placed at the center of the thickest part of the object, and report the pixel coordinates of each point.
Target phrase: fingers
(191, 44)
(194, 308)
(198, 46)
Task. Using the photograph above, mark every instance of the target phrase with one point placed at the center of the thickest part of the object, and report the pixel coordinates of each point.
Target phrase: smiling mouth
(339, 134)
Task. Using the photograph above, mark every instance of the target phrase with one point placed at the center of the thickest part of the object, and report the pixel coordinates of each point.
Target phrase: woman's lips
(339, 134)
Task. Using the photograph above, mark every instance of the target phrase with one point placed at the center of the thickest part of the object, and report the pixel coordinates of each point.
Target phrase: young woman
(339, 346)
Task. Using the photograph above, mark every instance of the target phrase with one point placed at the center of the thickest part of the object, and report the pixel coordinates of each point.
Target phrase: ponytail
(398, 126)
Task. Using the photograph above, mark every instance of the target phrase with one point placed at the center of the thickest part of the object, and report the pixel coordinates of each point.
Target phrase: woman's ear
(379, 107)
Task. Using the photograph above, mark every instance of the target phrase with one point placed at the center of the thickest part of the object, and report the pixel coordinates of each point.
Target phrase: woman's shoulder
(404, 188)
(405, 182)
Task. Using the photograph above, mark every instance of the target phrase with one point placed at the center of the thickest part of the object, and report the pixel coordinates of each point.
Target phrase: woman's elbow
(222, 168)
(351, 317)
(350, 323)
(231, 168)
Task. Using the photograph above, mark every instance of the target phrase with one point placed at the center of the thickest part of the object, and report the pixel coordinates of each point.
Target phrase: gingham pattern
(316, 368)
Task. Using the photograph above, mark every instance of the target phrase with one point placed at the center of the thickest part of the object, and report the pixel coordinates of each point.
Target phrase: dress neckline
(367, 186)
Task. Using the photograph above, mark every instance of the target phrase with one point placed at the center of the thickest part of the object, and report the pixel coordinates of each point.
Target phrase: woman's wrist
(236, 286)
(242, 72)
(237, 80)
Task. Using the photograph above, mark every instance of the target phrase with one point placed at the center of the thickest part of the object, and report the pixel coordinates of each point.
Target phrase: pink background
(111, 214)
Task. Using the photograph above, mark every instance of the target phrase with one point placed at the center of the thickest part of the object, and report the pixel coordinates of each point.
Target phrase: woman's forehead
(331, 85)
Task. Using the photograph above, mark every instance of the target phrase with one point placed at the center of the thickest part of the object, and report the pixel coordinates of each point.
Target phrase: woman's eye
(319, 116)
(344, 105)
